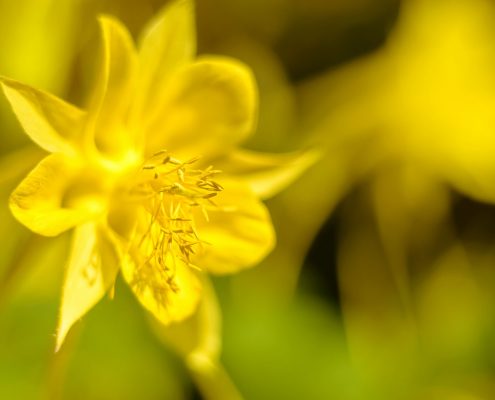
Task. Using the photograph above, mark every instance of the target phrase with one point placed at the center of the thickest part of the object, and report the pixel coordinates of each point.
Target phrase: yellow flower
(133, 173)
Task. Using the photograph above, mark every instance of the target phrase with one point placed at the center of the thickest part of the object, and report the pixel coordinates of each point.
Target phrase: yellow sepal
(91, 271)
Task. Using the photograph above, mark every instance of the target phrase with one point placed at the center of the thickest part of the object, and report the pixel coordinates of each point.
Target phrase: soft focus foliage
(381, 284)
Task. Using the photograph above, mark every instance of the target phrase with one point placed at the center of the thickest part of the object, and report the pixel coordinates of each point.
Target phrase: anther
(169, 196)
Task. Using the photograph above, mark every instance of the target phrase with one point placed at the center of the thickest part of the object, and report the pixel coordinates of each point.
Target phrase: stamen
(170, 189)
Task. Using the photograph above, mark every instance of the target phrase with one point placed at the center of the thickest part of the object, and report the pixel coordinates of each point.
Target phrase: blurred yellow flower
(424, 100)
(412, 122)
(163, 216)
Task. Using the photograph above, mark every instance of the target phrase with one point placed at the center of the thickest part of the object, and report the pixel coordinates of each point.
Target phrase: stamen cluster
(171, 190)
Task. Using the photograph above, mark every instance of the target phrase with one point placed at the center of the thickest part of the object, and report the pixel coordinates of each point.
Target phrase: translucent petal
(49, 121)
(168, 42)
(91, 270)
(238, 233)
(114, 90)
(266, 173)
(38, 202)
(167, 302)
(210, 107)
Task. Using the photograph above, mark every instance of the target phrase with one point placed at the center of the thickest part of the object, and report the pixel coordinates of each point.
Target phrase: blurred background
(382, 285)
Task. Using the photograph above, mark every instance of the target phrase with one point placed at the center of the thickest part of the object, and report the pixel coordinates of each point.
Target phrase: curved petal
(91, 270)
(38, 201)
(266, 173)
(198, 341)
(200, 335)
(17, 164)
(113, 93)
(167, 43)
(49, 121)
(169, 296)
(210, 107)
(239, 232)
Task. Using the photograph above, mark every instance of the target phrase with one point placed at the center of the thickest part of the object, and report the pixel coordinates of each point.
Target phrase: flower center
(171, 190)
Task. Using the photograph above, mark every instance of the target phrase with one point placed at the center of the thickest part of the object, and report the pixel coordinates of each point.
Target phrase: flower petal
(210, 107)
(38, 201)
(239, 232)
(49, 121)
(114, 90)
(91, 270)
(266, 173)
(198, 341)
(168, 302)
(199, 335)
(168, 42)
(17, 164)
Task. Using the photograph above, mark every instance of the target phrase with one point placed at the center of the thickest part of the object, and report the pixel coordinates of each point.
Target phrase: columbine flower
(135, 173)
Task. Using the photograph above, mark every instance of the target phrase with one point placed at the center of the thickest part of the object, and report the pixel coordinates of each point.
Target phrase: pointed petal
(210, 107)
(49, 121)
(113, 94)
(91, 270)
(168, 302)
(167, 43)
(38, 202)
(266, 173)
(238, 233)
